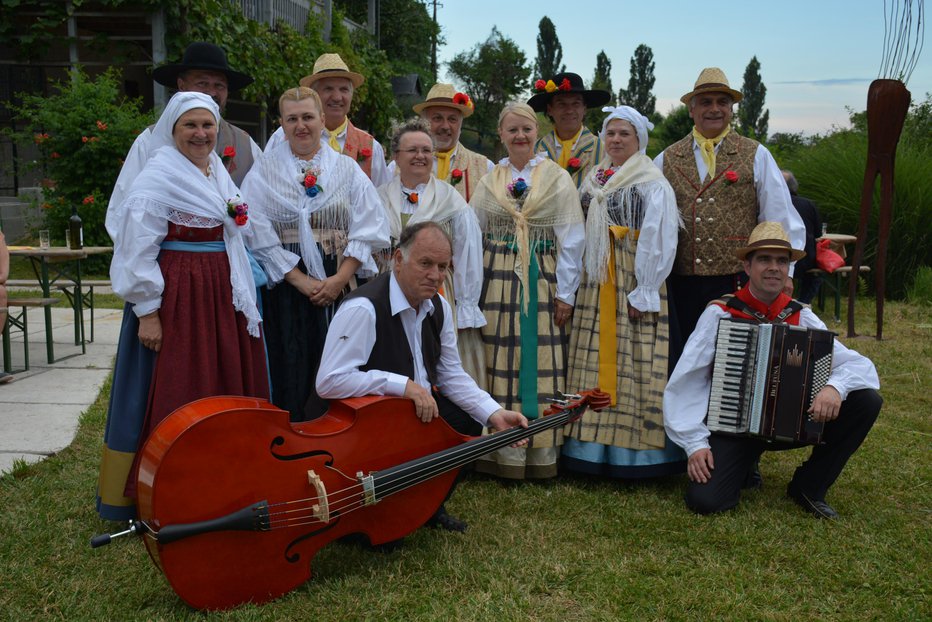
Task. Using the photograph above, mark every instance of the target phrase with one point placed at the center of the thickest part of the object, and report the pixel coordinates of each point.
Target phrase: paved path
(39, 411)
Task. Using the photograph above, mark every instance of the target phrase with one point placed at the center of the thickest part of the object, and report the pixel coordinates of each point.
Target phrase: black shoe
(442, 520)
(819, 509)
(753, 480)
(5, 377)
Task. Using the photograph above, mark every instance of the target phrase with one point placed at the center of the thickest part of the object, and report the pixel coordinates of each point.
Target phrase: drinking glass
(44, 239)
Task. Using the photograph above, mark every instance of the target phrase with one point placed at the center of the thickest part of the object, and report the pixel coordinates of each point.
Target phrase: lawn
(569, 549)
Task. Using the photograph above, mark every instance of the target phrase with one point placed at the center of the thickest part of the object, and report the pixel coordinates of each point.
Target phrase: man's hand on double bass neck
(503, 419)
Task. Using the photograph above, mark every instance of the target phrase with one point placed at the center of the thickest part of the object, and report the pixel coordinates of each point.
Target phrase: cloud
(829, 81)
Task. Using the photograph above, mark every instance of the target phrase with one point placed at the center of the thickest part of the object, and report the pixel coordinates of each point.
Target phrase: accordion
(764, 379)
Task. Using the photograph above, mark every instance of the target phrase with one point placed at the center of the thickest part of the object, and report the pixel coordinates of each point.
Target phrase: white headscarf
(641, 124)
(172, 187)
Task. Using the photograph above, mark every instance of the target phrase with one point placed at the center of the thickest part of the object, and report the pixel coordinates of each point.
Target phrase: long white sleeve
(572, 244)
(467, 269)
(656, 248)
(132, 165)
(134, 271)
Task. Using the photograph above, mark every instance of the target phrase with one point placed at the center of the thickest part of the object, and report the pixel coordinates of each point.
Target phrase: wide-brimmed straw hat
(565, 83)
(769, 236)
(205, 56)
(712, 80)
(447, 96)
(331, 66)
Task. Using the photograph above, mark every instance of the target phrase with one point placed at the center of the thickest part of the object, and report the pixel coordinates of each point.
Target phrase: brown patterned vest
(357, 139)
(718, 215)
(474, 166)
(588, 149)
(229, 135)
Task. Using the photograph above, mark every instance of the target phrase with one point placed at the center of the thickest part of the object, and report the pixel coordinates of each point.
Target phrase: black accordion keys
(764, 379)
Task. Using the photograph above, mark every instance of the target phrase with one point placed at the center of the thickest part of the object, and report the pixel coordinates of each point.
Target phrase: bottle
(75, 231)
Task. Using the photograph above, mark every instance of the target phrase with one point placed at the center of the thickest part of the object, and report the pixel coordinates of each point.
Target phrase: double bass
(234, 500)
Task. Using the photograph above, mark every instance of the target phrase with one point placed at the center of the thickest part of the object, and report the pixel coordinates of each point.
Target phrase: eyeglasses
(415, 151)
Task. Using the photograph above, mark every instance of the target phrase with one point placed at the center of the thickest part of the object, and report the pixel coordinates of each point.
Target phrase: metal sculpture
(887, 104)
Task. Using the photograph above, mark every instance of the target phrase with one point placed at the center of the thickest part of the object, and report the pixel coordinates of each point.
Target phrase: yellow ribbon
(443, 164)
(608, 322)
(566, 148)
(332, 139)
(707, 147)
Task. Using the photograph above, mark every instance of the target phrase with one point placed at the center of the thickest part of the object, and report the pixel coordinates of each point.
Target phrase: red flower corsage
(463, 99)
(363, 154)
(456, 176)
(412, 197)
(603, 175)
(238, 210)
(731, 177)
(229, 152)
(573, 165)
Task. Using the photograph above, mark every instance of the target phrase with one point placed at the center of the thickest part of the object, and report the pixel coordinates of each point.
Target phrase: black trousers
(734, 455)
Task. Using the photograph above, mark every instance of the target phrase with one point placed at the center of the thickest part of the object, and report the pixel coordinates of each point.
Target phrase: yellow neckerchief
(332, 138)
(707, 147)
(566, 147)
(443, 163)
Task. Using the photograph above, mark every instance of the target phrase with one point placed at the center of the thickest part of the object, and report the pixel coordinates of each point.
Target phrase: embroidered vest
(357, 139)
(474, 166)
(230, 135)
(718, 216)
(588, 149)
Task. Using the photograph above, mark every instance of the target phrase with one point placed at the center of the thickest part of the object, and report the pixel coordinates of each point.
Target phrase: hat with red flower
(447, 96)
(565, 82)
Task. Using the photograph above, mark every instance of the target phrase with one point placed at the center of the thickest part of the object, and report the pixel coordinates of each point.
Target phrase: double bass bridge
(321, 509)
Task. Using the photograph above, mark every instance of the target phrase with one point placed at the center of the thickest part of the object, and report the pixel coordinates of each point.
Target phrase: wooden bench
(69, 287)
(833, 281)
(19, 321)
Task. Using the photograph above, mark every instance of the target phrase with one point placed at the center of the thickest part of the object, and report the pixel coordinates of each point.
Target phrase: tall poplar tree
(602, 80)
(549, 61)
(638, 95)
(752, 118)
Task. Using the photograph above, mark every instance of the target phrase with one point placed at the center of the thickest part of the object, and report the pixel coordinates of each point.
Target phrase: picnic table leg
(79, 307)
(7, 351)
(46, 292)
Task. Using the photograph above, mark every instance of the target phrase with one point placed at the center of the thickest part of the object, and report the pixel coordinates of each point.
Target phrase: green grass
(567, 550)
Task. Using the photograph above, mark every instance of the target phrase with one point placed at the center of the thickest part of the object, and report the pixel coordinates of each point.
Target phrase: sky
(817, 56)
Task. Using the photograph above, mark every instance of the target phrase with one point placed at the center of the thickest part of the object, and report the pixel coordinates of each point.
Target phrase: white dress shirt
(773, 197)
(686, 398)
(352, 336)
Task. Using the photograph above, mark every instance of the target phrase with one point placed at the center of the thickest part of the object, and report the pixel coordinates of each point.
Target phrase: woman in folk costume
(415, 195)
(621, 328)
(180, 258)
(323, 207)
(528, 207)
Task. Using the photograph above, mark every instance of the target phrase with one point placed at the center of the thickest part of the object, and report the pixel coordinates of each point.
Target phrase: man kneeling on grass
(395, 336)
(848, 404)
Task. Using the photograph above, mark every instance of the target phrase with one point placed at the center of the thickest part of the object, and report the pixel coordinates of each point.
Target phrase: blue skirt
(606, 460)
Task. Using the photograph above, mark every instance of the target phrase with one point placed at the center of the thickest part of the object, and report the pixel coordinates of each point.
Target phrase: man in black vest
(395, 336)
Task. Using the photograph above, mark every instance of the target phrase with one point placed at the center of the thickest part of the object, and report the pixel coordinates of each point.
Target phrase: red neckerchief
(770, 312)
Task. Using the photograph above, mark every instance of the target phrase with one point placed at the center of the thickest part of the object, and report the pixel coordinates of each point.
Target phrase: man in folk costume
(335, 84)
(415, 195)
(445, 109)
(565, 100)
(725, 184)
(203, 68)
(848, 404)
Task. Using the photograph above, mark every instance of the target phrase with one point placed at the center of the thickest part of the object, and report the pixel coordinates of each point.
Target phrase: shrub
(83, 132)
(920, 292)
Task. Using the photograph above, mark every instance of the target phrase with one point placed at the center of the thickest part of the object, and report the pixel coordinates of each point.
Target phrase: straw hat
(447, 96)
(566, 83)
(331, 66)
(712, 80)
(206, 56)
(769, 236)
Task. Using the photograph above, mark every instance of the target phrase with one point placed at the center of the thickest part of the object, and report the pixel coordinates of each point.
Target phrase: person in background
(528, 209)
(4, 275)
(565, 99)
(324, 208)
(335, 84)
(848, 404)
(808, 282)
(415, 195)
(620, 330)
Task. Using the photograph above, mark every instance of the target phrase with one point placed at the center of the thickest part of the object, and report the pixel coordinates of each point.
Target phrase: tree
(549, 60)
(752, 118)
(638, 94)
(492, 73)
(677, 124)
(602, 80)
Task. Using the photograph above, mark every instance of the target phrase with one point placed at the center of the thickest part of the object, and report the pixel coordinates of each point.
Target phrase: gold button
(698, 240)
(698, 260)
(699, 200)
(711, 199)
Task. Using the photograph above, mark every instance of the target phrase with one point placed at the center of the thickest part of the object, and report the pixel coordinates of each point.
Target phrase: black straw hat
(206, 56)
(566, 83)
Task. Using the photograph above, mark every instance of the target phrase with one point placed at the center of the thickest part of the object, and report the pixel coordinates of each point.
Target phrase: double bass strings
(404, 476)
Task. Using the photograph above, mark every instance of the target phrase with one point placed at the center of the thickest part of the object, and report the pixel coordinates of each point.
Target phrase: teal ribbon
(258, 274)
